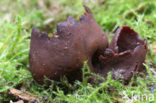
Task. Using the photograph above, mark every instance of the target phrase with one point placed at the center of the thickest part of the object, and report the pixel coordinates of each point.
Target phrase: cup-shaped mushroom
(64, 53)
(125, 55)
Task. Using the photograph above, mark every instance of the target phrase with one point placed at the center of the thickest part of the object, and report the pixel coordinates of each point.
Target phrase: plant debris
(20, 101)
(22, 95)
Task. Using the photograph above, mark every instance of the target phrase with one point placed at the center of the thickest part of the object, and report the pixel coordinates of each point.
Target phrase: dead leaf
(20, 101)
(22, 95)
(154, 47)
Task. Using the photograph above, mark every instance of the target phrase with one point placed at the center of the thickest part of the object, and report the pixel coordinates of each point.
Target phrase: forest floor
(18, 17)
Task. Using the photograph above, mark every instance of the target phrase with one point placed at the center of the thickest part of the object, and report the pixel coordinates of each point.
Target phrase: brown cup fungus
(125, 55)
(64, 54)
(75, 42)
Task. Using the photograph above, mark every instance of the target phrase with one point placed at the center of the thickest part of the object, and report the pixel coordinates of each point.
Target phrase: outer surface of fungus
(64, 55)
(124, 56)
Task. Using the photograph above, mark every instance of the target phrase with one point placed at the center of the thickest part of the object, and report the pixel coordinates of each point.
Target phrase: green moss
(18, 17)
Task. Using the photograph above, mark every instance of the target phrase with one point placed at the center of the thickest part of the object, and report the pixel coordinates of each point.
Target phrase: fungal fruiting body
(125, 55)
(64, 55)
(75, 42)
